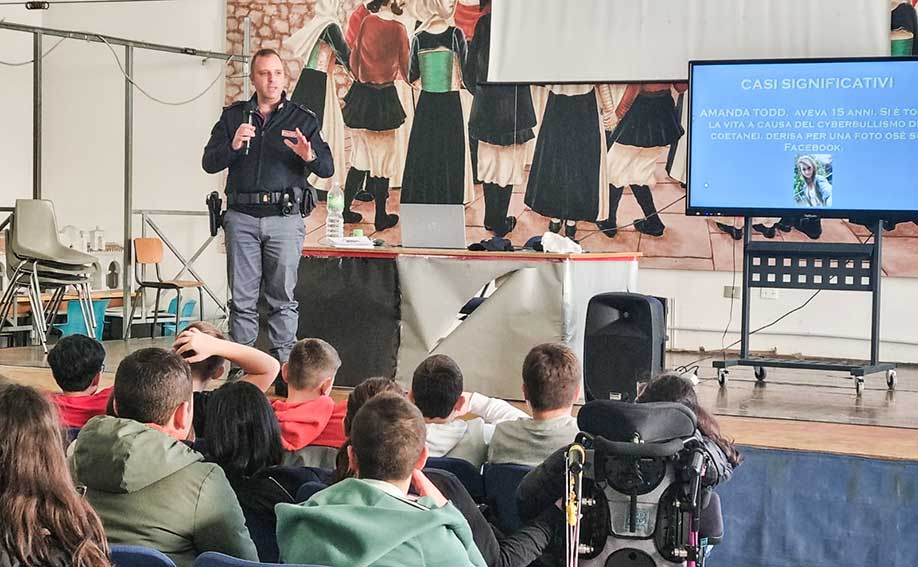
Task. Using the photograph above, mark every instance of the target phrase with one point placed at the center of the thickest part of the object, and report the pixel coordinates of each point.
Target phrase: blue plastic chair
(75, 324)
(214, 559)
(187, 311)
(466, 472)
(137, 556)
(500, 483)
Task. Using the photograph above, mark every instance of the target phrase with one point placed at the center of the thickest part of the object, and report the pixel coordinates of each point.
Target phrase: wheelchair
(634, 495)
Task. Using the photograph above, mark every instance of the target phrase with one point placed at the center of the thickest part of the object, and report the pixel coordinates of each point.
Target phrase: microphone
(247, 115)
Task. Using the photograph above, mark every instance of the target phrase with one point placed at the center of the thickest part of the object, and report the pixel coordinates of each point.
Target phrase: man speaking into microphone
(270, 146)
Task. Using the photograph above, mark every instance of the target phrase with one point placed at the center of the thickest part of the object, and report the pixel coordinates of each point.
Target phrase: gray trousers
(263, 255)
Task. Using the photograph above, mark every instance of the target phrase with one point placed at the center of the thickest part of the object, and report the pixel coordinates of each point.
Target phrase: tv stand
(812, 265)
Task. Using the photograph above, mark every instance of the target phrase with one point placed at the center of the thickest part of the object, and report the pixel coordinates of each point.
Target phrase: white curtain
(646, 40)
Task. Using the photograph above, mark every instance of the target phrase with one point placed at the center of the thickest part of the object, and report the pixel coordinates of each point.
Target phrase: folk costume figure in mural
(647, 126)
(466, 17)
(405, 92)
(567, 178)
(501, 122)
(320, 44)
(372, 109)
(435, 168)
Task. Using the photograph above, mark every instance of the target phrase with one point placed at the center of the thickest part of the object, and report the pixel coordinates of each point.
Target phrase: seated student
(243, 437)
(370, 520)
(360, 395)
(148, 486)
(206, 349)
(311, 422)
(45, 521)
(673, 387)
(77, 362)
(521, 548)
(436, 389)
(551, 384)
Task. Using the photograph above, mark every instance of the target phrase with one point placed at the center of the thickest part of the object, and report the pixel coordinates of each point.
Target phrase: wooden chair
(150, 251)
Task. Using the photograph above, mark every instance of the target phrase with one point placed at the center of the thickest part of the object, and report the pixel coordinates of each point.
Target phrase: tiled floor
(688, 244)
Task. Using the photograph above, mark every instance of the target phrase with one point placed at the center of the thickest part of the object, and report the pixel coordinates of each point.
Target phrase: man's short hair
(207, 368)
(310, 362)
(75, 360)
(151, 384)
(264, 52)
(436, 386)
(551, 374)
(388, 436)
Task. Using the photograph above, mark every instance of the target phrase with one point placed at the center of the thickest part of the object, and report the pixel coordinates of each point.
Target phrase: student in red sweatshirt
(311, 422)
(77, 362)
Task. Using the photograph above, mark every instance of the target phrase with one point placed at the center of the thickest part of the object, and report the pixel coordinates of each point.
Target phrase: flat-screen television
(831, 137)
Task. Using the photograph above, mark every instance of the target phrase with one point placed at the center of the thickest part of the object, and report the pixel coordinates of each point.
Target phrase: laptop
(432, 226)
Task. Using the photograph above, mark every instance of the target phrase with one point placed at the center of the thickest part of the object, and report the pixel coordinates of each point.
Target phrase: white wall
(835, 324)
(16, 97)
(83, 124)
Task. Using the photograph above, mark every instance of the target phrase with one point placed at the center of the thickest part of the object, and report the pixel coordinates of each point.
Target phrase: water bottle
(334, 220)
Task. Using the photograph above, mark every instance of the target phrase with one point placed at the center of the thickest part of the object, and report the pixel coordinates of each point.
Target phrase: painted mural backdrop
(395, 86)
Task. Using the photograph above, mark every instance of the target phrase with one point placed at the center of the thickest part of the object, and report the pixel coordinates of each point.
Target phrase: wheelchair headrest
(653, 422)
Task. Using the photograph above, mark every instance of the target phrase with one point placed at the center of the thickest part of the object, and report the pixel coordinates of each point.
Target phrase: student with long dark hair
(243, 437)
(45, 520)
(672, 387)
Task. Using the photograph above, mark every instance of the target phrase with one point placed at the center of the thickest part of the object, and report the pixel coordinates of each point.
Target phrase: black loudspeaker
(624, 344)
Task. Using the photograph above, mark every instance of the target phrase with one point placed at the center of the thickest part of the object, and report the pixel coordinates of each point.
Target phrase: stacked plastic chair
(37, 262)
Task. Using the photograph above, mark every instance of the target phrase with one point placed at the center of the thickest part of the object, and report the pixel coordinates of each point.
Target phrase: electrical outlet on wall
(732, 291)
(768, 293)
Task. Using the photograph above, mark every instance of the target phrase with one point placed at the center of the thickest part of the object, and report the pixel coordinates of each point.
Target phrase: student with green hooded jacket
(148, 487)
(370, 521)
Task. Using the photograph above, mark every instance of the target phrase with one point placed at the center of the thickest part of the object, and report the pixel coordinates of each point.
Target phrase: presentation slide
(813, 136)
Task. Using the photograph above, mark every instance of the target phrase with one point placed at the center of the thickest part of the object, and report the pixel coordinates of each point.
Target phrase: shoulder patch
(235, 104)
(301, 108)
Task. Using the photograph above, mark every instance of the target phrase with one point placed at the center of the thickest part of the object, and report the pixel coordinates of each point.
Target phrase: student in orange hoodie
(312, 424)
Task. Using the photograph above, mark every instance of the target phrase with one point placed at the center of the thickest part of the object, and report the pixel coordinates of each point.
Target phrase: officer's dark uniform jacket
(271, 167)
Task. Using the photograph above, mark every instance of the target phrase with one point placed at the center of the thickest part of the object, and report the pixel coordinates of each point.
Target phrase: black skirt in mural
(310, 91)
(502, 115)
(651, 122)
(372, 107)
(435, 166)
(564, 178)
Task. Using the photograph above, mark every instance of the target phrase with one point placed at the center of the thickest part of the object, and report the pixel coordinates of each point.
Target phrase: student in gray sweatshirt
(551, 385)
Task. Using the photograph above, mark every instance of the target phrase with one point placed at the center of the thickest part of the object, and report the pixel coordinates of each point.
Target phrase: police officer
(270, 146)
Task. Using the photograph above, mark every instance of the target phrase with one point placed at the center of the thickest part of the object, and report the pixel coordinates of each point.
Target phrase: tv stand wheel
(891, 379)
(761, 373)
(859, 385)
(722, 376)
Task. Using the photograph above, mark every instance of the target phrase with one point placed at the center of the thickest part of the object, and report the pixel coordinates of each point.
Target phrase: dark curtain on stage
(354, 304)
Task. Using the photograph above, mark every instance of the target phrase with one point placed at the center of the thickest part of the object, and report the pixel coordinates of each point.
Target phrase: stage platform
(796, 410)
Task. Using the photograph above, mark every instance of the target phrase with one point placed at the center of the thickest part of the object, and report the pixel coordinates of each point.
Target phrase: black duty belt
(264, 198)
